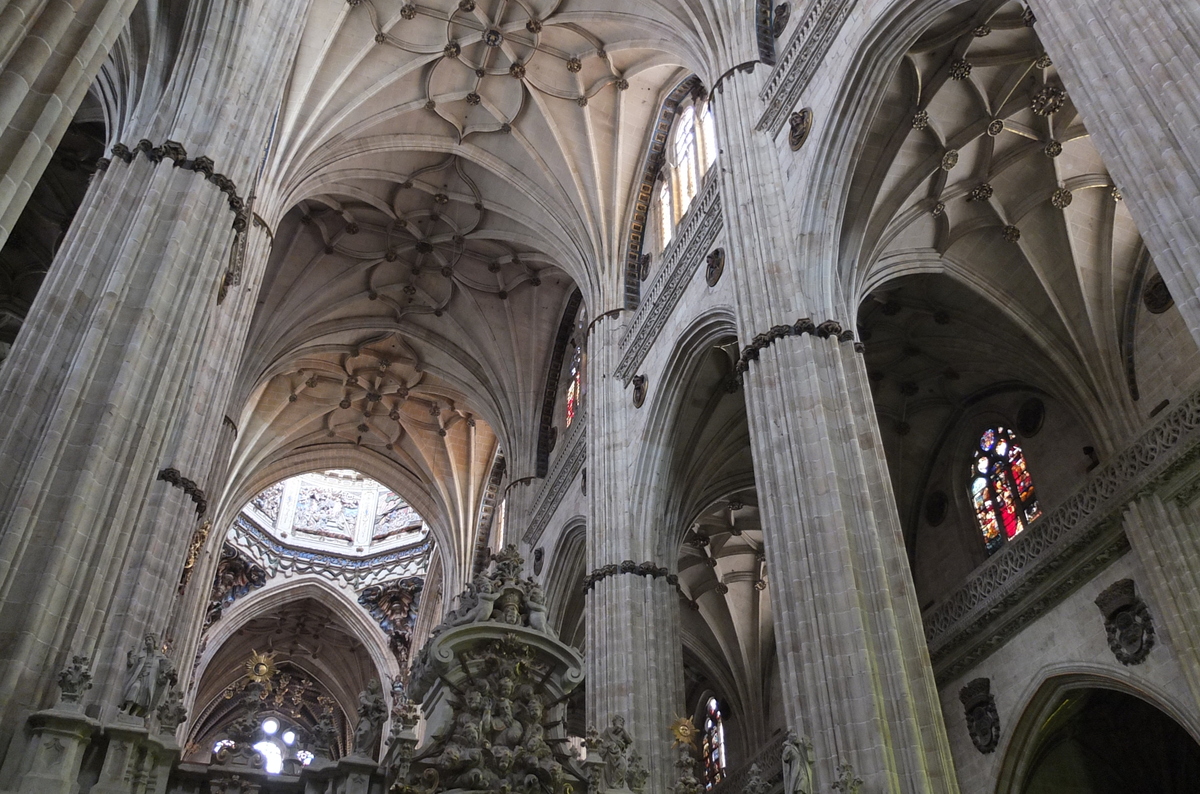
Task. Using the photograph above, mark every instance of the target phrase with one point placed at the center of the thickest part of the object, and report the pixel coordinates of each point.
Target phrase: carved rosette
(1127, 622)
(983, 721)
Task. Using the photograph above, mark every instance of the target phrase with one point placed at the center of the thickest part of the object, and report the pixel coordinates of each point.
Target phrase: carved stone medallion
(639, 390)
(983, 722)
(714, 266)
(1127, 622)
(1156, 296)
(801, 125)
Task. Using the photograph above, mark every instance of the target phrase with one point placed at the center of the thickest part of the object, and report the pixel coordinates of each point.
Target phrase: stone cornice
(804, 52)
(830, 329)
(637, 569)
(1063, 549)
(565, 469)
(696, 235)
(174, 151)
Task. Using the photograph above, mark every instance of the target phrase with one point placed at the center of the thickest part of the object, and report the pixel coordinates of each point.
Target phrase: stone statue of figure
(146, 676)
(536, 603)
(614, 747)
(797, 764)
(371, 713)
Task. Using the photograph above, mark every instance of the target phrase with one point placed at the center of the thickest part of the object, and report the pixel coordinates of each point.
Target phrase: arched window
(691, 152)
(1001, 488)
(574, 385)
(714, 744)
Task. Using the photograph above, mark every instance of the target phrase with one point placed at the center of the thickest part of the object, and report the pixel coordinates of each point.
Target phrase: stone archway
(1088, 734)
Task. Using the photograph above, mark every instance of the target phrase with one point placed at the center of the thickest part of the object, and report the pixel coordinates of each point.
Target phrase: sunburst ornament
(260, 667)
(684, 731)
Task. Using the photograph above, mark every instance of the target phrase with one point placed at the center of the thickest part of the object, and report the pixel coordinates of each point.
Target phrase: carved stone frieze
(566, 467)
(983, 722)
(696, 234)
(800, 60)
(1127, 622)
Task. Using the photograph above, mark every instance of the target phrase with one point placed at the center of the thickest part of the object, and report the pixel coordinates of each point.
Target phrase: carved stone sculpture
(686, 781)
(146, 676)
(983, 722)
(754, 781)
(638, 773)
(847, 782)
(1127, 622)
(614, 748)
(75, 679)
(372, 712)
(324, 735)
(171, 713)
(800, 125)
(797, 763)
(493, 682)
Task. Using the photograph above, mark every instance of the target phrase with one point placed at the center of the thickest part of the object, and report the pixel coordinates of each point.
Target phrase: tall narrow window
(708, 139)
(666, 215)
(714, 744)
(574, 385)
(685, 158)
(1001, 488)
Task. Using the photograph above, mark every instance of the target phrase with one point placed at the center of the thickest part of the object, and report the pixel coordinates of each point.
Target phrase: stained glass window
(574, 387)
(1001, 488)
(714, 744)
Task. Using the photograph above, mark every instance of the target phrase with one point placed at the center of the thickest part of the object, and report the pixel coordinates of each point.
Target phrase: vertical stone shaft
(110, 380)
(1164, 537)
(851, 649)
(634, 653)
(1132, 67)
(49, 55)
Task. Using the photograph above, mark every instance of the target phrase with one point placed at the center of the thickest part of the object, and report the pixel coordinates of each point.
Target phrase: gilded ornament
(260, 667)
(408, 11)
(574, 65)
(1053, 149)
(1043, 62)
(1115, 193)
(684, 732)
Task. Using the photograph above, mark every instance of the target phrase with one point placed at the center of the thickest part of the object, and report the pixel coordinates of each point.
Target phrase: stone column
(852, 654)
(49, 54)
(1165, 538)
(1132, 67)
(634, 649)
(120, 372)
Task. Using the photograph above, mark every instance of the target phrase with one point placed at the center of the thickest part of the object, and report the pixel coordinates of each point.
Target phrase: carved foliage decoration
(1127, 622)
(236, 576)
(983, 721)
(394, 606)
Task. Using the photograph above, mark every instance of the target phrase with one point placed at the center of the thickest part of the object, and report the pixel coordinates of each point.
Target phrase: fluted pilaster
(1132, 67)
(122, 370)
(634, 652)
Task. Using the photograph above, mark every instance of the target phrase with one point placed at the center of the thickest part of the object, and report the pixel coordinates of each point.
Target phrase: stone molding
(190, 488)
(695, 237)
(565, 469)
(1061, 550)
(830, 329)
(174, 151)
(804, 53)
